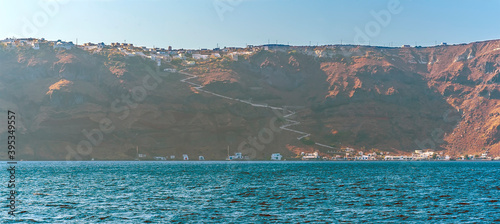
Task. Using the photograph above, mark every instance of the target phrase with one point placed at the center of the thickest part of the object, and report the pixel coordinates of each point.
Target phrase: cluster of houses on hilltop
(157, 54)
(190, 57)
(92, 46)
(63, 45)
(13, 42)
(36, 43)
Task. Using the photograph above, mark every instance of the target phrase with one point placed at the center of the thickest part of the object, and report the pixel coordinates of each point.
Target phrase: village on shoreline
(350, 155)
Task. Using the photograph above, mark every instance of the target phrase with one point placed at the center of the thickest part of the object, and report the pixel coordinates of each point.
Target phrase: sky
(194, 24)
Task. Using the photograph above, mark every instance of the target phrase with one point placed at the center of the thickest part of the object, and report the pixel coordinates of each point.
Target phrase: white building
(185, 157)
(172, 157)
(141, 155)
(420, 155)
(179, 56)
(233, 56)
(62, 44)
(366, 157)
(35, 45)
(160, 158)
(170, 70)
(349, 149)
(309, 156)
(276, 156)
(200, 57)
(201, 158)
(237, 155)
(402, 158)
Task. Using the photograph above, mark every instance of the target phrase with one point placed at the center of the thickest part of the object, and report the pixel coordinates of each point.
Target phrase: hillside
(368, 98)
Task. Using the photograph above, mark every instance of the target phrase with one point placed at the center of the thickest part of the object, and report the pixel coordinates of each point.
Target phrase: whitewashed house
(170, 70)
(185, 157)
(349, 149)
(65, 45)
(200, 57)
(420, 155)
(233, 56)
(309, 156)
(363, 157)
(276, 156)
(403, 158)
(180, 56)
(238, 155)
(35, 45)
(201, 158)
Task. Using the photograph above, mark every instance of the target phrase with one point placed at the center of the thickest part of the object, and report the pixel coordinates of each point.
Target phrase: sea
(254, 192)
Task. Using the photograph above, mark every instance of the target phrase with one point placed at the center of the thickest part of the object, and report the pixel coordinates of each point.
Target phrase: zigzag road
(283, 127)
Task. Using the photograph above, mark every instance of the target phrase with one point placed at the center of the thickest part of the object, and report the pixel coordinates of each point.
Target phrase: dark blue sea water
(255, 192)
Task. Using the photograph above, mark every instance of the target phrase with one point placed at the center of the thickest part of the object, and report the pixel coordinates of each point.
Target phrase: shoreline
(258, 161)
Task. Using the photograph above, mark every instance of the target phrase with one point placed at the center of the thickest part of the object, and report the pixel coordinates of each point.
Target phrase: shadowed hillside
(386, 99)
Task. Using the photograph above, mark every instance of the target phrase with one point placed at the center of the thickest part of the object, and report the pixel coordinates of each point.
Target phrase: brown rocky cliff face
(443, 97)
(60, 96)
(391, 99)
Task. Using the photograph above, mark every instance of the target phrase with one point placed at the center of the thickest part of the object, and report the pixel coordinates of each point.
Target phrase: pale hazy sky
(204, 23)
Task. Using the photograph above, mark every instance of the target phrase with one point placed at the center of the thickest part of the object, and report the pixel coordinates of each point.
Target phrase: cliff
(370, 98)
